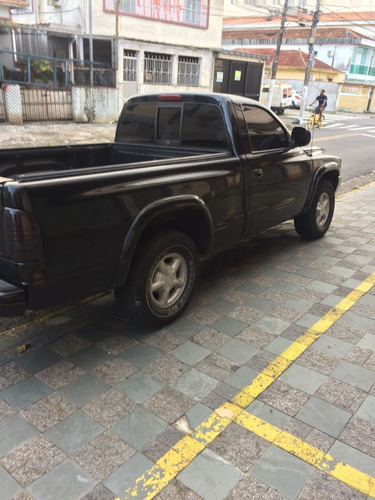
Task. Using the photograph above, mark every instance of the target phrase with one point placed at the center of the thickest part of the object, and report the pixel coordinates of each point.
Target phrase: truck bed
(26, 163)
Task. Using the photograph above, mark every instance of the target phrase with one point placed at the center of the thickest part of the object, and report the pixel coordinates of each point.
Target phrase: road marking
(367, 127)
(47, 317)
(308, 453)
(334, 137)
(357, 189)
(183, 453)
(368, 135)
(333, 125)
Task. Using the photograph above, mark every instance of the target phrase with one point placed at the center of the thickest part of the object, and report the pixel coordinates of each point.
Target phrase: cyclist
(321, 99)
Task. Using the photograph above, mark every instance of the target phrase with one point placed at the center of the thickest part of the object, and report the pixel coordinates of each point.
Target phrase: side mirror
(300, 136)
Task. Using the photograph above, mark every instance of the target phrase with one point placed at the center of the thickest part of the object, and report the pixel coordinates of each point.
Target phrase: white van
(281, 97)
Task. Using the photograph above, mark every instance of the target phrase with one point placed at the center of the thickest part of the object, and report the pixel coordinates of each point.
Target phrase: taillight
(23, 240)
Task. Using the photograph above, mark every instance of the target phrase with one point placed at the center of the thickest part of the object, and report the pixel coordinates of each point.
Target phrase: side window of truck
(264, 131)
(203, 126)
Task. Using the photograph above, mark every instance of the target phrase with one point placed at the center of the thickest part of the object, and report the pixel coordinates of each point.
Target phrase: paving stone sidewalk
(94, 401)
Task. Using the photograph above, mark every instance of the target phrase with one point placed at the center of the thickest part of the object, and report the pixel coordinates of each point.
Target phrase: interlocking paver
(25, 393)
(209, 476)
(138, 427)
(95, 401)
(282, 471)
(73, 432)
(324, 416)
(67, 479)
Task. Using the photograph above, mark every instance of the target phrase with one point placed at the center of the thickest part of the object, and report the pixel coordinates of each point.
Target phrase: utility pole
(91, 46)
(117, 12)
(277, 53)
(310, 59)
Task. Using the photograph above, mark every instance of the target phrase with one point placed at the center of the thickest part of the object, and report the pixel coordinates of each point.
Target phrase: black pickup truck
(188, 174)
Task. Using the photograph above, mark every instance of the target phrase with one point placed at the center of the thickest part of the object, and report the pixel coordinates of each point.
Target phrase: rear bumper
(12, 300)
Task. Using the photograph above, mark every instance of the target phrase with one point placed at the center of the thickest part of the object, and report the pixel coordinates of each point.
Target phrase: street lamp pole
(277, 53)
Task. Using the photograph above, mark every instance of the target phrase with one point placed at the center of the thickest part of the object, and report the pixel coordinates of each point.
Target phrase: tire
(320, 121)
(161, 281)
(311, 122)
(315, 223)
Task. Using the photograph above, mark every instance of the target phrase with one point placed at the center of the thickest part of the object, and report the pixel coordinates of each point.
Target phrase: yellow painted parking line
(319, 139)
(184, 452)
(51, 315)
(310, 454)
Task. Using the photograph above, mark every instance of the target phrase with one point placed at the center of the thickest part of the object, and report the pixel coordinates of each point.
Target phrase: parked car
(296, 98)
(187, 175)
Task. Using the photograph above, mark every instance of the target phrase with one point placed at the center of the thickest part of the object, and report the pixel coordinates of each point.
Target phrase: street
(349, 136)
(263, 389)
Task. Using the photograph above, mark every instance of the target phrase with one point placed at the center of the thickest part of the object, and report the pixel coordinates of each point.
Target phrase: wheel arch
(328, 172)
(187, 213)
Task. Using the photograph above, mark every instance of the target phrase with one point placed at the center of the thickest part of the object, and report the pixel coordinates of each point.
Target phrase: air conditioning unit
(330, 53)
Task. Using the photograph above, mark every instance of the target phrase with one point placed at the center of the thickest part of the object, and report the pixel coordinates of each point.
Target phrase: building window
(130, 66)
(359, 63)
(127, 6)
(192, 12)
(158, 68)
(188, 71)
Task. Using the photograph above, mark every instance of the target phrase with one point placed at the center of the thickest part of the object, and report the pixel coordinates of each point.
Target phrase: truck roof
(212, 97)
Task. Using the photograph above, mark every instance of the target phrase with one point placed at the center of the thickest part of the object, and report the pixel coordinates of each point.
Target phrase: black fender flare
(146, 216)
(329, 171)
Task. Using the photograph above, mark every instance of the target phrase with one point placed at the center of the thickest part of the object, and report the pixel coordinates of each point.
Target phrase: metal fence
(46, 104)
(44, 71)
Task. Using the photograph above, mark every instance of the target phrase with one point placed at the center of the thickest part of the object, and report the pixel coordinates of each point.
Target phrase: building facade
(150, 46)
(344, 41)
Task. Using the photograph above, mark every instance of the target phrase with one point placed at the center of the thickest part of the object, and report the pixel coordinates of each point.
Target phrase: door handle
(258, 173)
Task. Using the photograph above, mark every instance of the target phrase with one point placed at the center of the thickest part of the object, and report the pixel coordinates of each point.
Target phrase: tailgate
(12, 297)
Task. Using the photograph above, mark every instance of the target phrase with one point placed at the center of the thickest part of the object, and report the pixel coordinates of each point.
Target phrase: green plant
(42, 69)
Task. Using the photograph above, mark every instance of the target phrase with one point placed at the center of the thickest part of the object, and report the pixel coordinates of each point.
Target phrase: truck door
(278, 179)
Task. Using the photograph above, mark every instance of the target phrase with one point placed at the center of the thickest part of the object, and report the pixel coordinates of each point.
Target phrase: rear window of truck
(186, 124)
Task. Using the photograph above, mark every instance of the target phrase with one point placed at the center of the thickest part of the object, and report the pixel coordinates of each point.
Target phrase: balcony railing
(23, 68)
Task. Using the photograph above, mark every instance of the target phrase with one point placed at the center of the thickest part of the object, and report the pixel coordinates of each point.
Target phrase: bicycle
(315, 119)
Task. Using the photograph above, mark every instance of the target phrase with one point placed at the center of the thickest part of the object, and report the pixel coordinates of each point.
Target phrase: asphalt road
(350, 136)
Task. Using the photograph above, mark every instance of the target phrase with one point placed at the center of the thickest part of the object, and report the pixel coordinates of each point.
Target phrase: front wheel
(162, 279)
(311, 122)
(315, 223)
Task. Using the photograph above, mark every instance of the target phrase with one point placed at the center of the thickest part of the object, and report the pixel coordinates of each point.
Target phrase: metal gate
(40, 104)
(238, 77)
(2, 106)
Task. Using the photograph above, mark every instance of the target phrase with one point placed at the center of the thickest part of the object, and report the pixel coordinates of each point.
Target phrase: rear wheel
(320, 121)
(315, 223)
(162, 279)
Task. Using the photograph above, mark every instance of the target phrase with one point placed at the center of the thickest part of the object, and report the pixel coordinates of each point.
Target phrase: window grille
(157, 68)
(188, 71)
(127, 6)
(130, 66)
